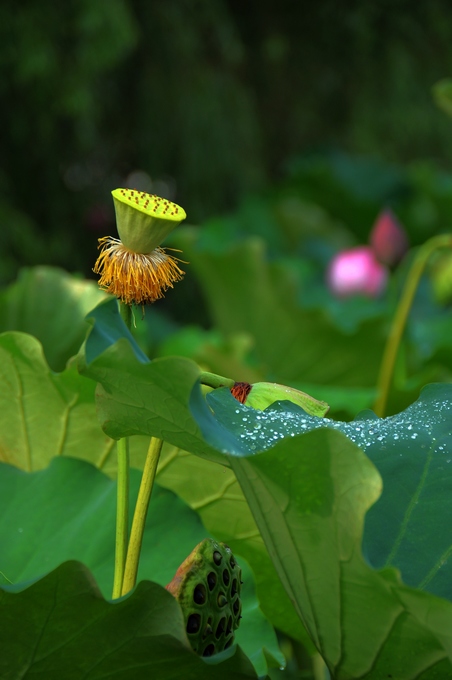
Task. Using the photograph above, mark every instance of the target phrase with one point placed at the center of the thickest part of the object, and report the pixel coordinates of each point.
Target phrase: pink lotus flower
(388, 238)
(357, 271)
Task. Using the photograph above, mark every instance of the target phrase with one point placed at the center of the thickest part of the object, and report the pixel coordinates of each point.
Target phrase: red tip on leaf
(240, 391)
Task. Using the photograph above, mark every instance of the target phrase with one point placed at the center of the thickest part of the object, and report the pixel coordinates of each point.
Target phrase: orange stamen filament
(135, 277)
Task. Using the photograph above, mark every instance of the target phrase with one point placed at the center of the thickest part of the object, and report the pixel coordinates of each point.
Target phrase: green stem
(122, 515)
(139, 517)
(122, 502)
(126, 314)
(401, 316)
(214, 380)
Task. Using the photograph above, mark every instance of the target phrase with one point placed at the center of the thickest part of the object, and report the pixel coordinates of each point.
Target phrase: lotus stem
(140, 514)
(401, 317)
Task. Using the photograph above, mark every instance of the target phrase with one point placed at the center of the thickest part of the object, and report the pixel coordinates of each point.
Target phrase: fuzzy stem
(122, 499)
(401, 316)
(139, 517)
(122, 515)
(214, 380)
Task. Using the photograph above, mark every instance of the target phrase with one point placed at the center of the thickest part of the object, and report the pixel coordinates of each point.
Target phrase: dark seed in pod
(211, 580)
(217, 557)
(199, 594)
(220, 628)
(193, 623)
(234, 587)
(229, 628)
(226, 577)
(236, 606)
(232, 562)
(209, 650)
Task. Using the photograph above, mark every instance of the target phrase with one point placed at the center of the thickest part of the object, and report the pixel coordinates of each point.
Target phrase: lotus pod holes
(193, 623)
(207, 586)
(200, 594)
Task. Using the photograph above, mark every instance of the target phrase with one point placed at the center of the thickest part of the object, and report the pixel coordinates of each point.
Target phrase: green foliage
(345, 526)
(62, 627)
(158, 403)
(308, 495)
(52, 516)
(44, 415)
(413, 453)
(51, 305)
(217, 497)
(442, 93)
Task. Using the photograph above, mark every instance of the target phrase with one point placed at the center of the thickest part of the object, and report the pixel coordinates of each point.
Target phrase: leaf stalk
(139, 517)
(401, 316)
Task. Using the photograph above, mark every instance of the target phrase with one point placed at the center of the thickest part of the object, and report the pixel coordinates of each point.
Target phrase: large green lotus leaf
(67, 511)
(247, 294)
(135, 395)
(50, 304)
(411, 526)
(216, 496)
(61, 627)
(309, 495)
(43, 414)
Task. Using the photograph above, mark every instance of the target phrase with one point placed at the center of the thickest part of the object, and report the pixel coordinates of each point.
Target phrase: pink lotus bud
(357, 271)
(388, 238)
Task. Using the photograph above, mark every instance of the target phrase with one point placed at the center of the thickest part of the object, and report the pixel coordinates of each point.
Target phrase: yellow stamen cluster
(135, 277)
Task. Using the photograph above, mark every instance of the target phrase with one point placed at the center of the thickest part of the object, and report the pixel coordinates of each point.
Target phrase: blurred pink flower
(357, 271)
(388, 238)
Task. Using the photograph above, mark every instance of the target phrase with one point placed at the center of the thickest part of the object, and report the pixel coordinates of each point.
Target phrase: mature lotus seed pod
(207, 586)
(263, 394)
(144, 220)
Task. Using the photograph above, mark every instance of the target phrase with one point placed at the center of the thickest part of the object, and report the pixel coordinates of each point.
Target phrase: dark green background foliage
(209, 98)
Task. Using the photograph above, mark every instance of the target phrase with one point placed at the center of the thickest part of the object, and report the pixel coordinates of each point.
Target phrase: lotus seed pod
(207, 586)
(263, 394)
(144, 220)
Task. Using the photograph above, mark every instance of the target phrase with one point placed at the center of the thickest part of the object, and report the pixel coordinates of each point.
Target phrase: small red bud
(388, 238)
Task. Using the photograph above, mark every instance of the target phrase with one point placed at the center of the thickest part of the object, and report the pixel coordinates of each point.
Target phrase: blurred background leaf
(208, 102)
